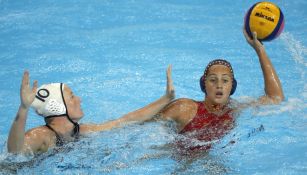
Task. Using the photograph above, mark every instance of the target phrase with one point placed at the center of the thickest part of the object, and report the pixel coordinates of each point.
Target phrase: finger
(25, 78)
(254, 36)
(169, 76)
(34, 89)
(169, 71)
(247, 37)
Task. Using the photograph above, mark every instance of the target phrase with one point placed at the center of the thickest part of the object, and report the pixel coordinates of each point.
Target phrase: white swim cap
(49, 100)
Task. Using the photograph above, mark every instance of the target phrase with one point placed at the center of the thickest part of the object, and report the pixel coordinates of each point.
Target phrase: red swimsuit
(206, 127)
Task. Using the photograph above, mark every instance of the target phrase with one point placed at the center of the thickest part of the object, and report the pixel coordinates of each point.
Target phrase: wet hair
(218, 62)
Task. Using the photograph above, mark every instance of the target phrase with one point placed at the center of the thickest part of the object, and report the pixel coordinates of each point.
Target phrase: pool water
(114, 55)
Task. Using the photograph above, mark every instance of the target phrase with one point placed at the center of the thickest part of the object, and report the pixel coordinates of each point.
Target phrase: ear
(202, 84)
(234, 86)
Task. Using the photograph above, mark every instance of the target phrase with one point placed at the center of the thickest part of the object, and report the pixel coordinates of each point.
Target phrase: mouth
(219, 94)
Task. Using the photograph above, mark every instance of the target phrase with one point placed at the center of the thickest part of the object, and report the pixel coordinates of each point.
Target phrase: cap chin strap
(76, 125)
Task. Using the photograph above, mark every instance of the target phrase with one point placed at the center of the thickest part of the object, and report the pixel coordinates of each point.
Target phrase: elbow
(276, 95)
(277, 99)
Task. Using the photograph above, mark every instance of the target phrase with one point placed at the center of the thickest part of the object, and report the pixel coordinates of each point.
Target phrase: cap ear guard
(202, 84)
(234, 86)
(218, 62)
(55, 107)
(203, 87)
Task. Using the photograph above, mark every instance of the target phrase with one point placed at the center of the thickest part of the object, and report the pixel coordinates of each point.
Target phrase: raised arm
(16, 139)
(272, 86)
(140, 115)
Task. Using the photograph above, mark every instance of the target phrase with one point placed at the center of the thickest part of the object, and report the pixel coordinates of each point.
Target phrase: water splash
(298, 52)
(293, 105)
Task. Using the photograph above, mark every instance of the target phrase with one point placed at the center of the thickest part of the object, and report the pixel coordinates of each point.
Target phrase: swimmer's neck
(61, 125)
(218, 109)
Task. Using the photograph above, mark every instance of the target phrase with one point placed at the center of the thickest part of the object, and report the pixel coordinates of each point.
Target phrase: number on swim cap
(41, 94)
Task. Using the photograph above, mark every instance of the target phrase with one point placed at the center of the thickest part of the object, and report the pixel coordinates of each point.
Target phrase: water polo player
(205, 122)
(62, 111)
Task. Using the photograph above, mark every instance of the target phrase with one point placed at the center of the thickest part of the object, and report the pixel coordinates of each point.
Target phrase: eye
(225, 80)
(212, 80)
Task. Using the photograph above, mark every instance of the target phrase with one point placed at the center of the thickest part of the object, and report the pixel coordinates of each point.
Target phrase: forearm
(147, 112)
(273, 88)
(88, 128)
(140, 115)
(17, 133)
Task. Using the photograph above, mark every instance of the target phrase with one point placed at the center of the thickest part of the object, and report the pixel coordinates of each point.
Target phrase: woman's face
(73, 104)
(218, 84)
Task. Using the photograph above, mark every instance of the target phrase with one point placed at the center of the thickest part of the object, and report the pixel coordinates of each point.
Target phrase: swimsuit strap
(76, 131)
(201, 110)
(59, 140)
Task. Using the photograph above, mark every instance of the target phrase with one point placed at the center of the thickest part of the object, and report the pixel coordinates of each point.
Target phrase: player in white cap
(62, 111)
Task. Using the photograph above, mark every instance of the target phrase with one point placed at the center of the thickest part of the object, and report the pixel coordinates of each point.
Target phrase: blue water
(114, 54)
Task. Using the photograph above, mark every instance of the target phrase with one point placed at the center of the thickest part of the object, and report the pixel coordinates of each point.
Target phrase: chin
(77, 117)
(81, 115)
(220, 101)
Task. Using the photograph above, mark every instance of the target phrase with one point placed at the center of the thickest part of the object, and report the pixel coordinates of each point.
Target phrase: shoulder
(40, 137)
(234, 104)
(38, 131)
(179, 108)
(183, 102)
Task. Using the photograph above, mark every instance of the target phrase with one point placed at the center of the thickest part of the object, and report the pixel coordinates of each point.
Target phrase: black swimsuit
(59, 140)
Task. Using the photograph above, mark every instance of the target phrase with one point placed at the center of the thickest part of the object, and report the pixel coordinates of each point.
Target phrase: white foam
(298, 52)
(292, 105)
(296, 48)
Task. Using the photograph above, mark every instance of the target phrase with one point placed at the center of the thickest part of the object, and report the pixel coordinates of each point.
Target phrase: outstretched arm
(16, 137)
(140, 115)
(147, 112)
(273, 89)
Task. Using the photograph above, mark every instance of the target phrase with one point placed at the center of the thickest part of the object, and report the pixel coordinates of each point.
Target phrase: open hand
(170, 91)
(27, 94)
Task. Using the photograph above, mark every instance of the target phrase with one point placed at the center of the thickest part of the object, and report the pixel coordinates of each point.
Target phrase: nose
(219, 84)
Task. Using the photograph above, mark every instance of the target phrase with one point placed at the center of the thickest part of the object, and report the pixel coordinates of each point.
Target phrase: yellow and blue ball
(266, 19)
